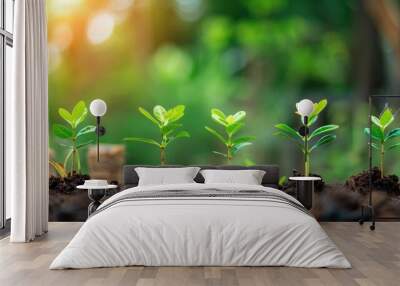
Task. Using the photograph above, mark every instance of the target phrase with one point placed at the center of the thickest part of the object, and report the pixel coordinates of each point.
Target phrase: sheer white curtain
(27, 124)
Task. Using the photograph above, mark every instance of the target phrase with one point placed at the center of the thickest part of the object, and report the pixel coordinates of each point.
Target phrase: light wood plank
(375, 257)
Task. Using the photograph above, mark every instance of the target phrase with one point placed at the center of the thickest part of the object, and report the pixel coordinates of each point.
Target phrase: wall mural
(206, 82)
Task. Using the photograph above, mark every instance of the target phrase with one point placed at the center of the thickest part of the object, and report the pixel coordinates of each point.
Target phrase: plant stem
(307, 165)
(306, 157)
(382, 156)
(73, 160)
(229, 147)
(229, 154)
(73, 155)
(162, 155)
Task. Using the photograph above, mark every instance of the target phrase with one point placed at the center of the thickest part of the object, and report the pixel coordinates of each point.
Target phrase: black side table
(95, 194)
(305, 190)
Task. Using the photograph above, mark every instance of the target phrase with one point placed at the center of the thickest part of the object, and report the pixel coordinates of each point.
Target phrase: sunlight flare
(63, 7)
(100, 27)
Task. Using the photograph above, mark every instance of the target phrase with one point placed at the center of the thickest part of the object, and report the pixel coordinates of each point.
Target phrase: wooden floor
(375, 257)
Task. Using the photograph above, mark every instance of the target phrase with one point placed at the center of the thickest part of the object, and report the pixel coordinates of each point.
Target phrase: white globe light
(98, 107)
(305, 107)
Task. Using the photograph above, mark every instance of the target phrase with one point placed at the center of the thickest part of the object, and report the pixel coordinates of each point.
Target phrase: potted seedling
(383, 137)
(307, 139)
(383, 141)
(168, 125)
(73, 136)
(231, 125)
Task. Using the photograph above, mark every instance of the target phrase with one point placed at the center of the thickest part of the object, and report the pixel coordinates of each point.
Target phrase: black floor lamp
(370, 206)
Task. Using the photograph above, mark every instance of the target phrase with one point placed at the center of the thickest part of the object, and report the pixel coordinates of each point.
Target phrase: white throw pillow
(166, 176)
(247, 177)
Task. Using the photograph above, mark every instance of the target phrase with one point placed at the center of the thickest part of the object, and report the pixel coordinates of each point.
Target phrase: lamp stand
(98, 137)
(100, 131)
(371, 215)
(306, 131)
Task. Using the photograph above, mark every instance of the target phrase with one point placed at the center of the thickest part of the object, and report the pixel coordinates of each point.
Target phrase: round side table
(95, 194)
(305, 190)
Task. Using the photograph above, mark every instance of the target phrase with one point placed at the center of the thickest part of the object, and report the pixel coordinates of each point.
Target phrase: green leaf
(59, 168)
(169, 128)
(282, 181)
(218, 116)
(386, 118)
(176, 113)
(298, 143)
(318, 107)
(238, 116)
(232, 129)
(394, 146)
(79, 113)
(323, 141)
(67, 158)
(216, 134)
(236, 148)
(84, 144)
(289, 131)
(65, 144)
(377, 133)
(393, 134)
(323, 129)
(243, 139)
(62, 131)
(149, 116)
(219, 153)
(66, 116)
(374, 146)
(218, 113)
(182, 134)
(86, 130)
(144, 140)
(160, 113)
(311, 120)
(230, 120)
(375, 120)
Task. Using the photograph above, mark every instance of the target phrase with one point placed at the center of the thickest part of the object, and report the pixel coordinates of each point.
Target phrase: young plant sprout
(381, 136)
(166, 122)
(71, 136)
(308, 142)
(231, 124)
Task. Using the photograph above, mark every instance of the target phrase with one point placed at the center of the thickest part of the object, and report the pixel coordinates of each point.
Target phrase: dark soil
(68, 206)
(339, 194)
(290, 186)
(360, 182)
(68, 184)
(66, 202)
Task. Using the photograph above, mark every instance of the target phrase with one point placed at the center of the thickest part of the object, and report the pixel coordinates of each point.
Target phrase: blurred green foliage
(253, 55)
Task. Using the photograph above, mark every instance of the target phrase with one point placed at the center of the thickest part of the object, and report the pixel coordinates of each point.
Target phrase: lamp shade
(305, 107)
(98, 107)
